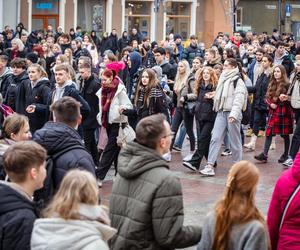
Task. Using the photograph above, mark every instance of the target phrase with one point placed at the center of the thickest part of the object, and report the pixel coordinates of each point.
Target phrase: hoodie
(152, 196)
(17, 215)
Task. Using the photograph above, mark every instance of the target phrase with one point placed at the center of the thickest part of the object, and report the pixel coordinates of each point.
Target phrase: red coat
(280, 120)
(288, 238)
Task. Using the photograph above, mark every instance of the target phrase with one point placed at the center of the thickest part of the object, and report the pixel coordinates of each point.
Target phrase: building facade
(153, 18)
(269, 14)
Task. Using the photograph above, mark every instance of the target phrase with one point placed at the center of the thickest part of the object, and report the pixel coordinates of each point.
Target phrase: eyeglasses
(171, 134)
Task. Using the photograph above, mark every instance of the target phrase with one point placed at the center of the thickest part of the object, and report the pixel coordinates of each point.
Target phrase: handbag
(288, 204)
(126, 134)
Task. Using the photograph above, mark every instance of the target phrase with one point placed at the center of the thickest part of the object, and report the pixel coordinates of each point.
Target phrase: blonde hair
(57, 46)
(13, 124)
(78, 186)
(181, 79)
(238, 204)
(70, 58)
(19, 43)
(40, 69)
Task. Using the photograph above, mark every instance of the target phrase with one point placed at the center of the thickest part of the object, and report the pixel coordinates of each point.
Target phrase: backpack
(246, 112)
(43, 195)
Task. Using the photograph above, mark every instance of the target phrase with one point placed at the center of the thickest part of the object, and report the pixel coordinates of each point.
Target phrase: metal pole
(234, 15)
(279, 15)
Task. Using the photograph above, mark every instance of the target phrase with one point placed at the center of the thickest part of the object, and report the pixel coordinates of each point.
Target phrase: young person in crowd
(236, 222)
(280, 117)
(24, 163)
(74, 218)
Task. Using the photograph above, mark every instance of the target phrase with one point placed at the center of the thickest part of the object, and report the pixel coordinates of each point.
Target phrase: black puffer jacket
(191, 52)
(260, 90)
(17, 215)
(55, 137)
(204, 106)
(146, 204)
(38, 95)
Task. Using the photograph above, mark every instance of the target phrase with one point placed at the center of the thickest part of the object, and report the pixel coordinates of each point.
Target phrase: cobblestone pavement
(201, 193)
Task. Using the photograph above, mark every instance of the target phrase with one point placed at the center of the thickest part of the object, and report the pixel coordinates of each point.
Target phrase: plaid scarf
(107, 95)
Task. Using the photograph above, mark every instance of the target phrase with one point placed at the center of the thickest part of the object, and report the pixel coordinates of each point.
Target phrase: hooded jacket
(146, 204)
(123, 42)
(55, 137)
(16, 93)
(17, 215)
(288, 237)
(6, 79)
(87, 234)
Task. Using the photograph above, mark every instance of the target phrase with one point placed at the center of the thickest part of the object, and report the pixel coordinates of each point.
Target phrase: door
(42, 21)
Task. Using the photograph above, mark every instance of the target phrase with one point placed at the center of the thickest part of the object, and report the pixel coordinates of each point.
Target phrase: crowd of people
(68, 97)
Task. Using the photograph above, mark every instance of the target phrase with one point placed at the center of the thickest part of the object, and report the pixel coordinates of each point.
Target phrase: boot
(249, 132)
(251, 144)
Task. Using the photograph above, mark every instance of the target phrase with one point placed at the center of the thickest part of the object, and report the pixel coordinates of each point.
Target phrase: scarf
(226, 78)
(107, 95)
(141, 99)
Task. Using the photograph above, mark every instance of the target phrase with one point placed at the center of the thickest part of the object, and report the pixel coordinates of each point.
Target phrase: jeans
(221, 125)
(180, 138)
(204, 129)
(110, 152)
(226, 140)
(181, 115)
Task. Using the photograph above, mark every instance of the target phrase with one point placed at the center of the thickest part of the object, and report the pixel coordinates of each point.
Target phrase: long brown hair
(238, 204)
(199, 78)
(152, 84)
(275, 87)
(78, 186)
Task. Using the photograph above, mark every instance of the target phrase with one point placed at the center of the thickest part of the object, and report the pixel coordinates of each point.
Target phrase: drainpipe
(279, 15)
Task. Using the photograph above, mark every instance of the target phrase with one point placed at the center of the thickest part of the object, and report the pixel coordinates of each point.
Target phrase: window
(91, 15)
(239, 16)
(138, 15)
(178, 18)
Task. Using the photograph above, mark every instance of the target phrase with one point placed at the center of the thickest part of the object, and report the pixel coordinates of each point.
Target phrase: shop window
(178, 18)
(91, 15)
(138, 15)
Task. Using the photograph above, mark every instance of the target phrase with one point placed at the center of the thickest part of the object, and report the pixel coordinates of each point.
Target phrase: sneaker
(176, 148)
(288, 162)
(188, 157)
(226, 152)
(261, 157)
(282, 158)
(207, 171)
(189, 166)
(99, 183)
(167, 156)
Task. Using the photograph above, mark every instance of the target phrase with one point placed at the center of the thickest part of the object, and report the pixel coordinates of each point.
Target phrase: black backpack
(245, 113)
(43, 195)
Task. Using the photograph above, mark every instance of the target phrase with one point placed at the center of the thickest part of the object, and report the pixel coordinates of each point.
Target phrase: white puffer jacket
(120, 100)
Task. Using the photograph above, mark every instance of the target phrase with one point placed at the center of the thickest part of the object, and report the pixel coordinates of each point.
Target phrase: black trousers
(110, 153)
(259, 121)
(181, 115)
(204, 129)
(90, 144)
(296, 137)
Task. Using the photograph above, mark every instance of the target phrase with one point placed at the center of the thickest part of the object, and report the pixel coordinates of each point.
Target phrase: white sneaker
(208, 171)
(288, 162)
(167, 156)
(188, 157)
